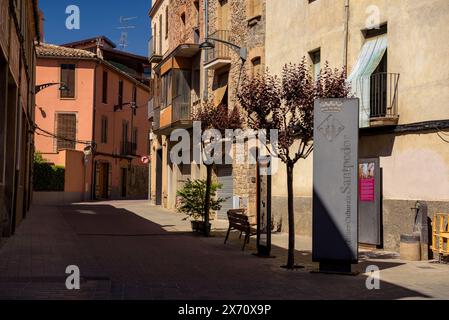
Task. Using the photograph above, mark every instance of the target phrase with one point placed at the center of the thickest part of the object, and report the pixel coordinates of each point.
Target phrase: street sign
(335, 184)
(370, 222)
(264, 207)
(145, 160)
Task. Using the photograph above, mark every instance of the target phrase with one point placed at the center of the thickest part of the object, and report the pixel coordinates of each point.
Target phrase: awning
(219, 95)
(369, 58)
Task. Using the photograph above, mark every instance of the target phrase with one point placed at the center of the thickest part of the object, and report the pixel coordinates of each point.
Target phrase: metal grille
(221, 50)
(384, 95)
(66, 131)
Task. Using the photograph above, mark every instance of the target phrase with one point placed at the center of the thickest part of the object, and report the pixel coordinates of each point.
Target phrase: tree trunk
(291, 218)
(207, 203)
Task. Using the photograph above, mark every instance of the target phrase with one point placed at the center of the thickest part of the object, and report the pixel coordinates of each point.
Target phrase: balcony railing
(154, 53)
(221, 50)
(181, 108)
(384, 95)
(128, 148)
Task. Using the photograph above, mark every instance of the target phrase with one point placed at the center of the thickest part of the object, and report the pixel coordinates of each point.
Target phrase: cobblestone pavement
(132, 250)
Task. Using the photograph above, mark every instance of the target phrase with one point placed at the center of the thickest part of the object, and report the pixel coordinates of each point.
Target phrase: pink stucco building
(103, 106)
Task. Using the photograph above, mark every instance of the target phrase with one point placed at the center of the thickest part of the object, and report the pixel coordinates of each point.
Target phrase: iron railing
(221, 50)
(384, 95)
(128, 148)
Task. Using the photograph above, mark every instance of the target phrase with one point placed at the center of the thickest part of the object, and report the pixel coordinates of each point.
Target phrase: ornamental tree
(286, 103)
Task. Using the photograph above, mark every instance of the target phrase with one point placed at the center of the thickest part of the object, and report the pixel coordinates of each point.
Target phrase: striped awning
(369, 58)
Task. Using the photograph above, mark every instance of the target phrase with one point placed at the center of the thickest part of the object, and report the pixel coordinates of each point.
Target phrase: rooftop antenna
(125, 27)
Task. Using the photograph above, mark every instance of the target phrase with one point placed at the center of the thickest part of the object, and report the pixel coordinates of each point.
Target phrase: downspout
(346, 39)
(206, 36)
(93, 171)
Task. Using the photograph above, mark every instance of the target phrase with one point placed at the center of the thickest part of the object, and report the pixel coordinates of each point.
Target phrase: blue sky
(98, 17)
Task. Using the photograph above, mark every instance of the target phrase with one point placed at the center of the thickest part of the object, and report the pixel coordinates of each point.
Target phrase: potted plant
(192, 199)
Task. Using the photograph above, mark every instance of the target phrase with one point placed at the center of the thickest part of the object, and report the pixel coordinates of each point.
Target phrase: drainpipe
(346, 39)
(94, 114)
(206, 36)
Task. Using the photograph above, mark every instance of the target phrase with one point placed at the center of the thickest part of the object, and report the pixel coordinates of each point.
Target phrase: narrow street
(132, 250)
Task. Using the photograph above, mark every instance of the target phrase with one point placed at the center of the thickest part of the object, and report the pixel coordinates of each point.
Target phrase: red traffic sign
(145, 160)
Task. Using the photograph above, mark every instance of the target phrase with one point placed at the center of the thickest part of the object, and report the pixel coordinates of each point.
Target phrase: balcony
(384, 99)
(128, 148)
(175, 116)
(154, 53)
(220, 56)
(181, 109)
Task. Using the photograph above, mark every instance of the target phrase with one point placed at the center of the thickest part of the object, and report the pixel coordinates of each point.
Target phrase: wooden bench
(238, 220)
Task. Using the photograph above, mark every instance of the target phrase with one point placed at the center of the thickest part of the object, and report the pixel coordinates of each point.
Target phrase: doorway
(124, 179)
(226, 179)
(104, 180)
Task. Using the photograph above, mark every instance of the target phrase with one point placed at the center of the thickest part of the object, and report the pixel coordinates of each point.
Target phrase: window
(256, 66)
(315, 56)
(125, 141)
(183, 18)
(120, 93)
(66, 131)
(223, 15)
(147, 73)
(166, 82)
(105, 88)
(134, 140)
(254, 8)
(125, 131)
(166, 22)
(155, 49)
(104, 129)
(160, 34)
(372, 62)
(68, 78)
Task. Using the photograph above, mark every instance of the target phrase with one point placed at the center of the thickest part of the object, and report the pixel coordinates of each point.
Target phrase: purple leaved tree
(286, 103)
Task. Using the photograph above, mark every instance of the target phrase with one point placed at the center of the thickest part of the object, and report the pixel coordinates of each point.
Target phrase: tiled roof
(51, 50)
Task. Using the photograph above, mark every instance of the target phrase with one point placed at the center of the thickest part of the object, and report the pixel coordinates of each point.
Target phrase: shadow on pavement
(142, 260)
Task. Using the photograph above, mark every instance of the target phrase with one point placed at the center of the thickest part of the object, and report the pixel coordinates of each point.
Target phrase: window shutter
(66, 131)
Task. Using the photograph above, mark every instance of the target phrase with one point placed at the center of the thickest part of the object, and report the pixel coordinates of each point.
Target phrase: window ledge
(254, 20)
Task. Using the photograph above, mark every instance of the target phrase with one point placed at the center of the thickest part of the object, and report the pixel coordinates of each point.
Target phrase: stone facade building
(19, 29)
(212, 75)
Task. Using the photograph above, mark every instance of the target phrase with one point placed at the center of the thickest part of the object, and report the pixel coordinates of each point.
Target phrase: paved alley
(132, 250)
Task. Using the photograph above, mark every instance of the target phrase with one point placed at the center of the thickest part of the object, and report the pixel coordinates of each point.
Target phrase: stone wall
(246, 30)
(181, 30)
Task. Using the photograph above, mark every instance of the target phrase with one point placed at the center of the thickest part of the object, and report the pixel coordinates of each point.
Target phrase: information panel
(335, 183)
